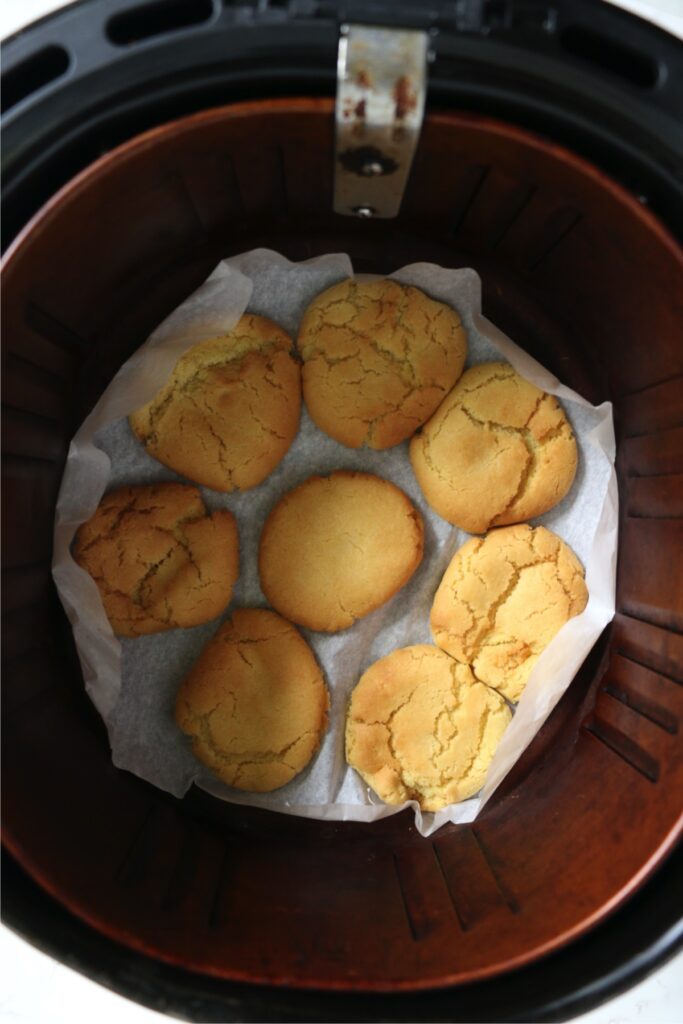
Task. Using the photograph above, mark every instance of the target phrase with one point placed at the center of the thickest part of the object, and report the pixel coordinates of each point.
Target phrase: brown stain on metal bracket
(404, 97)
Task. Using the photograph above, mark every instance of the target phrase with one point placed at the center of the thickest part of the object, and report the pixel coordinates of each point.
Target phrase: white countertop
(37, 990)
(34, 989)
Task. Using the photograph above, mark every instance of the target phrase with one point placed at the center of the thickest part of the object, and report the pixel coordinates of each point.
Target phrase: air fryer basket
(575, 267)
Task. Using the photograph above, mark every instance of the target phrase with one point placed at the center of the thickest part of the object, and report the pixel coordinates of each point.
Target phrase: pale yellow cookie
(159, 559)
(497, 450)
(255, 703)
(420, 727)
(336, 547)
(229, 411)
(378, 358)
(502, 600)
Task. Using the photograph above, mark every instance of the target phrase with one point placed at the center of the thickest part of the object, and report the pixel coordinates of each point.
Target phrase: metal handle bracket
(381, 87)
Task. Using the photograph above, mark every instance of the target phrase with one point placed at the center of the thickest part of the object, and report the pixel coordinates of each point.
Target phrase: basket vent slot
(611, 56)
(625, 748)
(33, 74)
(155, 19)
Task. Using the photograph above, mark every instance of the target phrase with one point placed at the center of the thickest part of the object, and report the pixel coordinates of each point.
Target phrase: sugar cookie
(336, 547)
(497, 450)
(378, 358)
(420, 727)
(229, 411)
(159, 559)
(254, 704)
(502, 600)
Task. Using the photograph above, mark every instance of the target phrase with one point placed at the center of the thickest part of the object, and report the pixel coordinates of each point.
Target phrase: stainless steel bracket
(381, 86)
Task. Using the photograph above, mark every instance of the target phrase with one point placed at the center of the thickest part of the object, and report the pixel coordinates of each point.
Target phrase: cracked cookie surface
(229, 411)
(255, 703)
(498, 450)
(337, 547)
(159, 559)
(503, 598)
(378, 357)
(420, 727)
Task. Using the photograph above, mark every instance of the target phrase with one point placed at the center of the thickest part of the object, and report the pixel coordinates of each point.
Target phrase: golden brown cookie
(502, 600)
(229, 411)
(420, 727)
(336, 547)
(378, 358)
(159, 559)
(254, 704)
(497, 450)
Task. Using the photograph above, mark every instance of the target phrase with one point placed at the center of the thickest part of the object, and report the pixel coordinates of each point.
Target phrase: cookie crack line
(405, 364)
(347, 611)
(410, 781)
(159, 404)
(408, 346)
(131, 621)
(386, 722)
(222, 451)
(115, 526)
(490, 614)
(372, 422)
(545, 424)
(449, 712)
(239, 759)
(175, 541)
(483, 723)
(143, 550)
(227, 638)
(136, 594)
(151, 567)
(528, 470)
(516, 431)
(412, 790)
(486, 620)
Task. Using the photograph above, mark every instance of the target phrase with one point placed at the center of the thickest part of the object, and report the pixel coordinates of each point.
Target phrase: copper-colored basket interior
(580, 275)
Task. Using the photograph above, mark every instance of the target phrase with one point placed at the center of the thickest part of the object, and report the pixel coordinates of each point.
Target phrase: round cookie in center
(420, 727)
(337, 547)
(378, 357)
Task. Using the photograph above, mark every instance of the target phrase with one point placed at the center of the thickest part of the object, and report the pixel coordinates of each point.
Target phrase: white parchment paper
(133, 682)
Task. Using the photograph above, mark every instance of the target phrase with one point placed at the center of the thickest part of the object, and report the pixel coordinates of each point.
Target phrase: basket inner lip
(324, 106)
(139, 945)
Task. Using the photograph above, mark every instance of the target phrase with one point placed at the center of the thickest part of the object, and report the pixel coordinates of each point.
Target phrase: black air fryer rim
(582, 72)
(633, 129)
